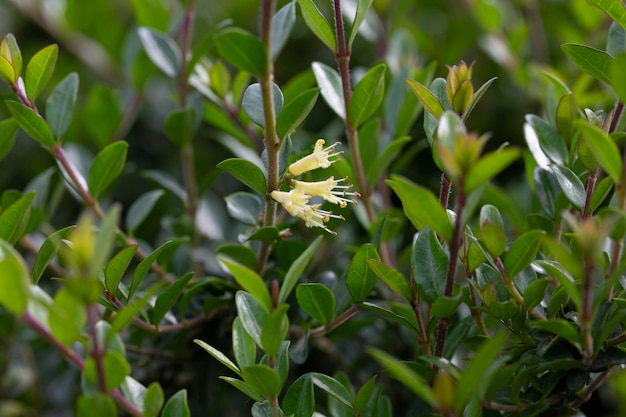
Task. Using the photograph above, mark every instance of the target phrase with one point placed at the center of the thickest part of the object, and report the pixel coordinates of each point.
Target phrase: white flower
(295, 202)
(320, 158)
(329, 190)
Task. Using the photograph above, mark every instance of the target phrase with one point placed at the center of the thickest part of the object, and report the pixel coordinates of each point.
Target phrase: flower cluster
(296, 201)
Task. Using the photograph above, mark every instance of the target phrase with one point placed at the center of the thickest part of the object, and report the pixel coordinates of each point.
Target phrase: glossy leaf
(329, 82)
(421, 206)
(252, 102)
(333, 387)
(166, 300)
(102, 114)
(246, 172)
(550, 141)
(317, 23)
(243, 387)
(48, 250)
(317, 301)
(390, 276)
(535, 292)
(250, 281)
(299, 400)
(145, 265)
(295, 111)
(243, 50)
(245, 207)
(361, 11)
(60, 105)
(223, 359)
(593, 61)
(31, 123)
(430, 264)
(115, 269)
(241, 254)
(559, 327)
(180, 125)
(39, 70)
(571, 185)
(10, 48)
(263, 379)
(14, 280)
(282, 24)
(359, 279)
(522, 252)
(7, 72)
(296, 270)
(141, 208)
(106, 167)
(153, 400)
(367, 95)
(95, 405)
(243, 345)
(14, 218)
(252, 315)
(614, 8)
(408, 322)
(162, 50)
(177, 405)
(265, 234)
(430, 101)
(604, 149)
(115, 368)
(488, 167)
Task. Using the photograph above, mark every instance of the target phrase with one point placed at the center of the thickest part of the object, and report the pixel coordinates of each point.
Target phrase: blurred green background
(514, 40)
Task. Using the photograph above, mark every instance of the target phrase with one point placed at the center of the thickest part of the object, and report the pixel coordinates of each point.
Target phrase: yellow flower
(329, 190)
(320, 158)
(295, 202)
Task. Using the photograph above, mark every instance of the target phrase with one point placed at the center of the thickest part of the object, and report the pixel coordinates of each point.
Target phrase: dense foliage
(345, 208)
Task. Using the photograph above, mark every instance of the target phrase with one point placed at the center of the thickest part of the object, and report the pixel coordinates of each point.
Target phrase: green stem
(271, 140)
(510, 286)
(341, 319)
(586, 314)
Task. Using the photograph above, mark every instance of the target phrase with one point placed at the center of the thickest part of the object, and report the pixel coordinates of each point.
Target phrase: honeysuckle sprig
(296, 201)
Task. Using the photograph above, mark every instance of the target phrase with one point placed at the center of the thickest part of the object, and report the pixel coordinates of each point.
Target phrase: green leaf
(317, 300)
(478, 94)
(522, 252)
(115, 368)
(132, 309)
(614, 8)
(106, 167)
(559, 327)
(31, 123)
(359, 279)
(243, 345)
(333, 387)
(478, 375)
(67, 317)
(604, 149)
(243, 387)
(571, 185)
(14, 280)
(361, 11)
(162, 50)
(7, 73)
(364, 396)
(244, 255)
(153, 400)
(115, 269)
(421, 206)
(430, 101)
(48, 250)
(145, 265)
(265, 234)
(151, 13)
(385, 312)
(282, 24)
(407, 376)
(535, 292)
(445, 307)
(367, 95)
(243, 50)
(394, 279)
(14, 219)
(593, 61)
(60, 105)
(102, 114)
(329, 82)
(95, 405)
(245, 207)
(567, 113)
(295, 111)
(252, 102)
(317, 23)
(263, 379)
(223, 359)
(252, 315)
(8, 130)
(299, 400)
(166, 300)
(275, 329)
(550, 141)
(180, 125)
(246, 172)
(39, 70)
(10, 48)
(430, 264)
(488, 167)
(384, 159)
(141, 208)
(296, 270)
(250, 281)
(177, 405)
